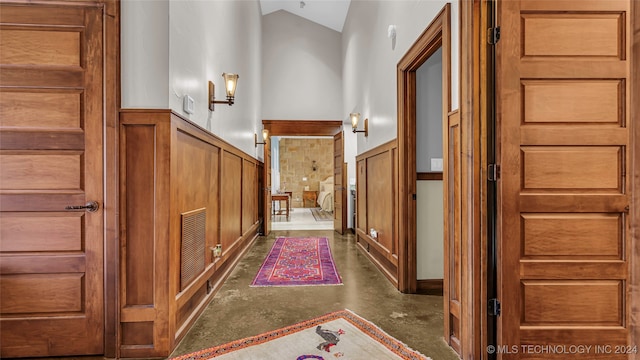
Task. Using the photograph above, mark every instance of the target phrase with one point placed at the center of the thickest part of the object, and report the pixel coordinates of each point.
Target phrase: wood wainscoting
(182, 192)
(377, 203)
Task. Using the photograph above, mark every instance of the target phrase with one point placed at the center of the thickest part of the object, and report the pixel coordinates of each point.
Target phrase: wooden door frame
(111, 25)
(343, 187)
(434, 37)
(473, 138)
(302, 128)
(474, 98)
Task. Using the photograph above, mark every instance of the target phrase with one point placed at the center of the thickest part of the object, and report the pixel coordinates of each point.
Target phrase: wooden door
(452, 194)
(563, 121)
(339, 185)
(51, 156)
(267, 188)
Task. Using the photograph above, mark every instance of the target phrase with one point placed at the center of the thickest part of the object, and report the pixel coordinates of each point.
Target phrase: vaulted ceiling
(329, 13)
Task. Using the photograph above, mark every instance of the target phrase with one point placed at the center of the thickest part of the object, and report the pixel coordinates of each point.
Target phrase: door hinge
(493, 35)
(413, 196)
(494, 307)
(493, 172)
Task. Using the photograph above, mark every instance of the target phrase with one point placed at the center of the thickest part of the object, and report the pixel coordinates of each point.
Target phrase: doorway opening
(434, 42)
(302, 175)
(429, 189)
(298, 129)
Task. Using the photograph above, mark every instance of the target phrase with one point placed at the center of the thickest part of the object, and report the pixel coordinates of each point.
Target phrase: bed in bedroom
(325, 194)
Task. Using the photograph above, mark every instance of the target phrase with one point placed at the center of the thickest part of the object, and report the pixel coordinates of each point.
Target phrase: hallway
(245, 311)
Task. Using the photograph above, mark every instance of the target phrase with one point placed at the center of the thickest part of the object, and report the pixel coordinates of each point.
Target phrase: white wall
(370, 59)
(145, 54)
(301, 69)
(429, 199)
(429, 115)
(193, 42)
(430, 229)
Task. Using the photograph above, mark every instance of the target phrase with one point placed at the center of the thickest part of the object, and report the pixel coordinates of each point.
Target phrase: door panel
(563, 116)
(340, 190)
(51, 156)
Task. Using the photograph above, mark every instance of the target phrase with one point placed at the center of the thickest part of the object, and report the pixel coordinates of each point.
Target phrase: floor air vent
(193, 245)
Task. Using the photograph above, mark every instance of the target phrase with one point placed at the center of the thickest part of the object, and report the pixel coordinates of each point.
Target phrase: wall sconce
(230, 82)
(314, 166)
(355, 117)
(265, 136)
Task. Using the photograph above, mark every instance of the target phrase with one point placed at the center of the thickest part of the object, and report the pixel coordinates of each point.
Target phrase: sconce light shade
(355, 117)
(265, 136)
(230, 83)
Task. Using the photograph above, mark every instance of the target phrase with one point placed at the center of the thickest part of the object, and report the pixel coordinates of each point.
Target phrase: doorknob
(91, 206)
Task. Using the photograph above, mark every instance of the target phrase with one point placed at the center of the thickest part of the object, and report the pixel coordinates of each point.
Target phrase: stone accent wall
(296, 161)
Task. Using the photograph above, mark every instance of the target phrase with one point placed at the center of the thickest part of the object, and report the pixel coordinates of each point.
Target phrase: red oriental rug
(341, 334)
(294, 261)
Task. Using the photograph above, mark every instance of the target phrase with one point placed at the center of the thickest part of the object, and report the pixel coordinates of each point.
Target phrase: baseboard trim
(430, 287)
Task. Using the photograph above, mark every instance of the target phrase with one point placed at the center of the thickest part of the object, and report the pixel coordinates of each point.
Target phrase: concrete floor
(238, 311)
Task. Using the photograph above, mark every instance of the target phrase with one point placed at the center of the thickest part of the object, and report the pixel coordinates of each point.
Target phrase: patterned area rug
(321, 215)
(341, 334)
(294, 261)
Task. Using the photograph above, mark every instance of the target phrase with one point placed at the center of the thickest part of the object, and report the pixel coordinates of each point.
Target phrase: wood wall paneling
(231, 200)
(139, 188)
(197, 170)
(361, 197)
(379, 209)
(340, 186)
(375, 175)
(249, 191)
(189, 171)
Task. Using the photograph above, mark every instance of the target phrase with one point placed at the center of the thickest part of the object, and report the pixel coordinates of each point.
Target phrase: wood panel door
(563, 120)
(339, 186)
(452, 194)
(267, 188)
(51, 157)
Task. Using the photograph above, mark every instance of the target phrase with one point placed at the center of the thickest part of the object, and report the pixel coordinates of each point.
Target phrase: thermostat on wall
(188, 104)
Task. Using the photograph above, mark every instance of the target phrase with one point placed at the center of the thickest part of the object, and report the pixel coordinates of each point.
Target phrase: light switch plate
(436, 164)
(188, 104)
